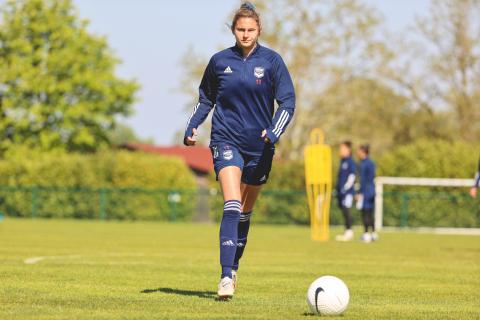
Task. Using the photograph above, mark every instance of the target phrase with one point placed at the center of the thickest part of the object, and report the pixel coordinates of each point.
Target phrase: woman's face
(246, 32)
(344, 151)
(361, 154)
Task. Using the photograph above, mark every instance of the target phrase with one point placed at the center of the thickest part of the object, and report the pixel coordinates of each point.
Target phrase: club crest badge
(228, 154)
(259, 72)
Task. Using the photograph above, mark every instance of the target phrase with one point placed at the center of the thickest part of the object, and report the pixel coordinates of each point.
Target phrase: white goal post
(406, 181)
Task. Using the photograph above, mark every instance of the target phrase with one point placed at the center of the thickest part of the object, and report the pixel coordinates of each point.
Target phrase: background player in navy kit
(345, 188)
(476, 185)
(366, 194)
(242, 83)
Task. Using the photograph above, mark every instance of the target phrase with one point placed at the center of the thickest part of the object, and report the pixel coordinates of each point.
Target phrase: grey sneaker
(366, 237)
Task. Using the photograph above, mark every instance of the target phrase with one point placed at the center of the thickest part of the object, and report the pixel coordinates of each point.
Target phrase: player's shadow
(181, 292)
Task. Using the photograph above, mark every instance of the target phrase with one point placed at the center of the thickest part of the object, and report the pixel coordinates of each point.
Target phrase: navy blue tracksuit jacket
(243, 91)
(367, 183)
(346, 178)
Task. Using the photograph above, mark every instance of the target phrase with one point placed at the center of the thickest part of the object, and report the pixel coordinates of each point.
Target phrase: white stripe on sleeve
(191, 116)
(280, 128)
(278, 121)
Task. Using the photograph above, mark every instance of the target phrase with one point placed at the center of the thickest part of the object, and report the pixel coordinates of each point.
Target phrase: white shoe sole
(224, 296)
(343, 239)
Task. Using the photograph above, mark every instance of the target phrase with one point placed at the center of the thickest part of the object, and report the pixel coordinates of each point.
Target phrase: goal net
(425, 202)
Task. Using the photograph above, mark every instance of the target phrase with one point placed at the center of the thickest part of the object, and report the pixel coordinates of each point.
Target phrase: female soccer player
(366, 194)
(476, 185)
(241, 83)
(345, 188)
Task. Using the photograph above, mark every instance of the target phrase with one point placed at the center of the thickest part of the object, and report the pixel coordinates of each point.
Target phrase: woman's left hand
(264, 136)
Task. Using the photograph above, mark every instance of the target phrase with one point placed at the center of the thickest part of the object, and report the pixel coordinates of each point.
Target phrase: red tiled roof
(197, 158)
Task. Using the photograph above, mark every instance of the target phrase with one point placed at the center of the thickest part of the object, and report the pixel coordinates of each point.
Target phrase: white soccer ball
(328, 296)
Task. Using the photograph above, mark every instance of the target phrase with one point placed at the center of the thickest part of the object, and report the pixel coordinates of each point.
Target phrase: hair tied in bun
(248, 6)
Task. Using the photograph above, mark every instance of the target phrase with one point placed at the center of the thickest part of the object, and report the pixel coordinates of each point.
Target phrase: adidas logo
(228, 243)
(240, 244)
(228, 70)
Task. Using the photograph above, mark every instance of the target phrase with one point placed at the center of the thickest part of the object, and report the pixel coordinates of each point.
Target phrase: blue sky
(150, 37)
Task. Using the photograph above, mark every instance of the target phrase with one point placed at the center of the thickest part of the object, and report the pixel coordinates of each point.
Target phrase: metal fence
(97, 203)
(433, 209)
(401, 208)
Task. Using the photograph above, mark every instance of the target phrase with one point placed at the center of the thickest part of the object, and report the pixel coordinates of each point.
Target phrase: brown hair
(365, 148)
(347, 143)
(247, 10)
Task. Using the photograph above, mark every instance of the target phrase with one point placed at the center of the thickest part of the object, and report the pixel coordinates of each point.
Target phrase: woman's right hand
(190, 141)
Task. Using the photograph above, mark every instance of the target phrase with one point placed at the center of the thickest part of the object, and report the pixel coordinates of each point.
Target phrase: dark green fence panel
(104, 203)
(433, 209)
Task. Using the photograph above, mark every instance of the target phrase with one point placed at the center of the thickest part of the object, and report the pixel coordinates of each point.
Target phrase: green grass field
(126, 270)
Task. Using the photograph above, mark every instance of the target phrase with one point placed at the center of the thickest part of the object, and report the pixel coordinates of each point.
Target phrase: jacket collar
(238, 50)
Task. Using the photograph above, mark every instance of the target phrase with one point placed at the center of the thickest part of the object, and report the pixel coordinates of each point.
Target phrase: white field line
(430, 230)
(112, 263)
(445, 231)
(34, 260)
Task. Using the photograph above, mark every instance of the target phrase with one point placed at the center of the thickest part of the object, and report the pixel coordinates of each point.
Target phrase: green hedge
(120, 185)
(431, 206)
(433, 159)
(124, 185)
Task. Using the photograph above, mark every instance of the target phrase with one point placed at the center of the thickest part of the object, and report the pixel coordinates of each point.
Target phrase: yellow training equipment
(318, 179)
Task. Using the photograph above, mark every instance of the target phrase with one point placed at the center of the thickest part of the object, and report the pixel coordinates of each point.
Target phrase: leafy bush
(433, 159)
(118, 185)
(430, 206)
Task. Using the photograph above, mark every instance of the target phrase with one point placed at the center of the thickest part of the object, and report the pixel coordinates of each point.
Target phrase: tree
(361, 109)
(58, 87)
(439, 65)
(453, 32)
